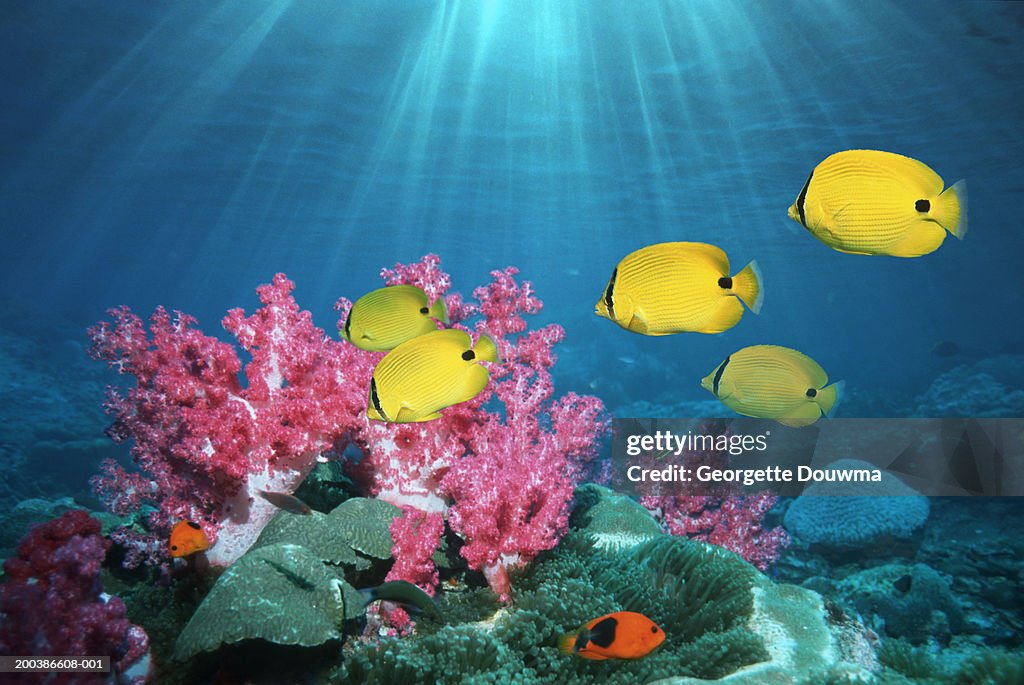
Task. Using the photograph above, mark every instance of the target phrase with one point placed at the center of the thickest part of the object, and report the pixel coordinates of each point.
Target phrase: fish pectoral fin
(407, 414)
(638, 323)
(922, 238)
(803, 415)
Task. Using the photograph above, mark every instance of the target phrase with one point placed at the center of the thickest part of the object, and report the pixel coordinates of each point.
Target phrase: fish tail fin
(567, 643)
(439, 310)
(950, 209)
(747, 286)
(486, 349)
(830, 397)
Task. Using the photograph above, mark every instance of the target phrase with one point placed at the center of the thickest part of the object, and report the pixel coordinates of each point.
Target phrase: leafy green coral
(279, 593)
(701, 597)
(290, 587)
(354, 528)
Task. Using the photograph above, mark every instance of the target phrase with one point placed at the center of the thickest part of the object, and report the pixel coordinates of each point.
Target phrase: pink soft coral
(205, 443)
(503, 464)
(506, 477)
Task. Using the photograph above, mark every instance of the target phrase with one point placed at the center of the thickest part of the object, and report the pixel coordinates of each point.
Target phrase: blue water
(182, 153)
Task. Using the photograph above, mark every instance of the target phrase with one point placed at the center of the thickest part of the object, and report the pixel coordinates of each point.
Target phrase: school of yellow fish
(858, 201)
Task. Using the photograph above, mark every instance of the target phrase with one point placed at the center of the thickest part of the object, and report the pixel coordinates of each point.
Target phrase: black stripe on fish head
(603, 632)
(348, 325)
(375, 400)
(801, 200)
(193, 525)
(609, 293)
(718, 377)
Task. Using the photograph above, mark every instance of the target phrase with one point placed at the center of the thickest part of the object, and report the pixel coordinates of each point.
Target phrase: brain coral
(827, 514)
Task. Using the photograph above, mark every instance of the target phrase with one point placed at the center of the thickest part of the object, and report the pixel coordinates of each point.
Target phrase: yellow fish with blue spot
(773, 382)
(387, 317)
(679, 287)
(880, 203)
(421, 377)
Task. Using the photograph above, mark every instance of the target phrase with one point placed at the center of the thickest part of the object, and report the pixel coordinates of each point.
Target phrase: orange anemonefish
(187, 538)
(621, 635)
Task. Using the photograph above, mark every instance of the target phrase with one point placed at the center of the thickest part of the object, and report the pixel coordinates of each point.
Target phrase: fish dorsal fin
(712, 253)
(603, 632)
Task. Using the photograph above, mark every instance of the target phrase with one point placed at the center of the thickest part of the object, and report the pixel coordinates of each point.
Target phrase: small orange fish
(620, 635)
(187, 538)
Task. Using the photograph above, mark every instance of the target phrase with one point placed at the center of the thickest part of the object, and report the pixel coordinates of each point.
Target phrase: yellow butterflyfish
(677, 287)
(387, 317)
(880, 203)
(421, 377)
(773, 382)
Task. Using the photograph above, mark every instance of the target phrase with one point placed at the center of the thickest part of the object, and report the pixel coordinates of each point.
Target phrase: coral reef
(912, 602)
(723, 622)
(826, 514)
(278, 593)
(52, 602)
(204, 443)
(989, 387)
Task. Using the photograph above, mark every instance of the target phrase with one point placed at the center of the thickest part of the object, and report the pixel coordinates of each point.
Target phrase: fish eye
(174, 548)
(654, 629)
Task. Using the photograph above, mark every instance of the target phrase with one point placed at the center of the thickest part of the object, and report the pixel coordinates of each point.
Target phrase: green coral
(614, 521)
(354, 528)
(992, 668)
(701, 597)
(279, 593)
(905, 659)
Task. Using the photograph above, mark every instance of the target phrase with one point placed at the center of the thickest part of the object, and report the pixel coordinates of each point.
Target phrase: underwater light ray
(404, 134)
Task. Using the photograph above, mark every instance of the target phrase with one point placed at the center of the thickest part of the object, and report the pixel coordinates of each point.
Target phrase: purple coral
(52, 602)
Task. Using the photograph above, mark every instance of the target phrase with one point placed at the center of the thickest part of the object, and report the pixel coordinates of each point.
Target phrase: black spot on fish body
(424, 310)
(609, 300)
(581, 640)
(718, 377)
(603, 633)
(812, 393)
(803, 199)
(922, 206)
(903, 584)
(725, 283)
(194, 526)
(469, 355)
